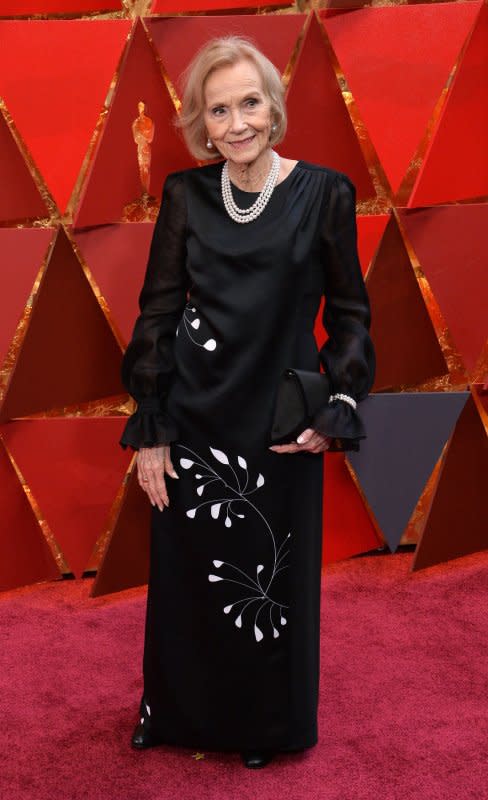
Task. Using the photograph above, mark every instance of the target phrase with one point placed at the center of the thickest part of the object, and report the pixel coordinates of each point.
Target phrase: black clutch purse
(301, 394)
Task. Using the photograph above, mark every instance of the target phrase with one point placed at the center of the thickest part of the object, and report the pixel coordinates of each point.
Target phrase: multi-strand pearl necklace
(249, 214)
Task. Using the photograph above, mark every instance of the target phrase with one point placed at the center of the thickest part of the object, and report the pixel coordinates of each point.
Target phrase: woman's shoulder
(320, 169)
(205, 171)
(177, 184)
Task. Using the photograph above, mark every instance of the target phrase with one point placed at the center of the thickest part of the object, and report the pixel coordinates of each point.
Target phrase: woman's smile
(242, 142)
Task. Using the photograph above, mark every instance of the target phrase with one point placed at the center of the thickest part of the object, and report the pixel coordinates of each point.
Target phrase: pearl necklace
(243, 215)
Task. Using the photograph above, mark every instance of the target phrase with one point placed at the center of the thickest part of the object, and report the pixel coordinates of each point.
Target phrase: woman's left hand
(310, 441)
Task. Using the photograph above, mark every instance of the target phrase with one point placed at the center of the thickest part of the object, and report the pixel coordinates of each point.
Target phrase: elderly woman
(242, 252)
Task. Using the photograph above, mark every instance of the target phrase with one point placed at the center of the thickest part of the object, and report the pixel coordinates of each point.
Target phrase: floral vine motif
(192, 323)
(239, 492)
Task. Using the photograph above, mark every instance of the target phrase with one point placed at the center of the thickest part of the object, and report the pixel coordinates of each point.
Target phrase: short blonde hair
(225, 51)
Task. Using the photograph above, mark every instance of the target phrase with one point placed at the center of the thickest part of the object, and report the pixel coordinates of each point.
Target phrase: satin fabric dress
(231, 650)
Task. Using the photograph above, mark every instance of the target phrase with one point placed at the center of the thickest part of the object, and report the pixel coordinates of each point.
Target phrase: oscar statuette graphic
(145, 208)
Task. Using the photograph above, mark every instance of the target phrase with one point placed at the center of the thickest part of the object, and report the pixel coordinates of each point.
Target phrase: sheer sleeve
(348, 356)
(148, 363)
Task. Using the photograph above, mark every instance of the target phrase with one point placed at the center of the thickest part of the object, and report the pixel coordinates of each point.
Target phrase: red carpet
(404, 695)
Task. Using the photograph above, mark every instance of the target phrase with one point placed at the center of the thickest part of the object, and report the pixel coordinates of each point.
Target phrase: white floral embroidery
(191, 321)
(239, 493)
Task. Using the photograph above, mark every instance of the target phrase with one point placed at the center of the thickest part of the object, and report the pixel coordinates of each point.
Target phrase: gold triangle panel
(451, 243)
(396, 61)
(54, 77)
(456, 524)
(26, 556)
(456, 163)
(116, 256)
(23, 250)
(349, 526)
(69, 354)
(133, 159)
(73, 467)
(407, 349)
(319, 123)
(125, 562)
(20, 199)
(370, 229)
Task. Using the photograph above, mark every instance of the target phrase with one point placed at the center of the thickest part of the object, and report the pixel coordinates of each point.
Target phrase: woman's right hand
(152, 463)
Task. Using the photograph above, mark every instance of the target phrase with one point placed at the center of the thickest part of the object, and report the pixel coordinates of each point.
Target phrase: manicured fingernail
(300, 439)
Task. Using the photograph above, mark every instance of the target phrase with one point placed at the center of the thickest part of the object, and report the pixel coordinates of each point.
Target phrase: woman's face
(237, 112)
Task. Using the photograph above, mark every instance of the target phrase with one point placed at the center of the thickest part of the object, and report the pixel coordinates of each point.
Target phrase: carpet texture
(403, 710)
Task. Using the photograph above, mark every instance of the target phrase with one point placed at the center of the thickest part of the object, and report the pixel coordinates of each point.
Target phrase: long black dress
(231, 655)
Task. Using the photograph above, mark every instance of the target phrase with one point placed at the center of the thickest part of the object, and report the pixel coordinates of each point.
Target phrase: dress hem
(201, 745)
(302, 741)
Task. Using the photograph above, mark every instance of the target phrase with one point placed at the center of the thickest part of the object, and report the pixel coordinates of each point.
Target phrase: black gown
(231, 651)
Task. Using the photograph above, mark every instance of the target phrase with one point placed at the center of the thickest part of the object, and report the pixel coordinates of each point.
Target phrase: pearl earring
(209, 144)
(274, 126)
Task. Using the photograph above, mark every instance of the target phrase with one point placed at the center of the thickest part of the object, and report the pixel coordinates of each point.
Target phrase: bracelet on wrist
(345, 398)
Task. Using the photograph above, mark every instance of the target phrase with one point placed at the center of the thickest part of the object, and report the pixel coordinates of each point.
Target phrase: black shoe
(142, 738)
(255, 759)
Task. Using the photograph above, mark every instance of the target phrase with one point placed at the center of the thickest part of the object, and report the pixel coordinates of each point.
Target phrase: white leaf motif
(222, 509)
(210, 344)
(219, 455)
(195, 323)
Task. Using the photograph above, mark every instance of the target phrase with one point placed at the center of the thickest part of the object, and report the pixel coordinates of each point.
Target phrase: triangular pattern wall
(397, 98)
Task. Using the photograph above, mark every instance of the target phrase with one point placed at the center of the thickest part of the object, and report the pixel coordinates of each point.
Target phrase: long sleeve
(148, 363)
(348, 356)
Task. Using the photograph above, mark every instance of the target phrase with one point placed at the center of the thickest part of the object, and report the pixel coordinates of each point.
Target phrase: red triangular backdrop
(55, 76)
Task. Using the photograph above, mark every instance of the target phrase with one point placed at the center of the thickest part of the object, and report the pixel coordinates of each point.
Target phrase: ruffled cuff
(149, 426)
(342, 423)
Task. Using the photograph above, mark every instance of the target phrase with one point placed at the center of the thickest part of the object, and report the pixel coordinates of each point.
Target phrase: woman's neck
(251, 177)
